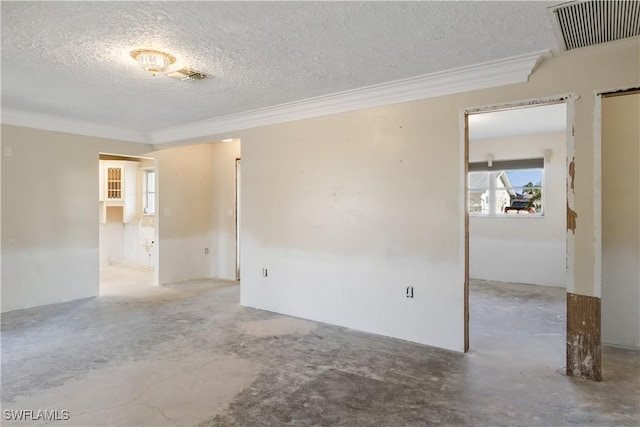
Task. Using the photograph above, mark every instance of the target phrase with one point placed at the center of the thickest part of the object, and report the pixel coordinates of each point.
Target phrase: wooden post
(584, 359)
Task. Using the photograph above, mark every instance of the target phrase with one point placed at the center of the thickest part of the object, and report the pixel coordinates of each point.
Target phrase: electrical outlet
(409, 291)
(206, 251)
(265, 273)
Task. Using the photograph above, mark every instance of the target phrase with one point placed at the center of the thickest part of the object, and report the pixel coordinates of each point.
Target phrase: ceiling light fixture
(153, 61)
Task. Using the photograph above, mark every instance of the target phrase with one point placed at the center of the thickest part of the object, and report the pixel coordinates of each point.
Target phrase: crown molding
(502, 72)
(59, 124)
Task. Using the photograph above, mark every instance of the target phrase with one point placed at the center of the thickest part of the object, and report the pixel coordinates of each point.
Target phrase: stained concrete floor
(188, 354)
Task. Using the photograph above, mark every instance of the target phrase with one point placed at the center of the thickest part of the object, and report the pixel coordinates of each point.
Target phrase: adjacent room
(126, 216)
(517, 246)
(517, 195)
(320, 213)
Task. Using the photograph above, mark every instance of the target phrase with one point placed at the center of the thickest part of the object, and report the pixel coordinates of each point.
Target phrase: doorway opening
(517, 252)
(127, 223)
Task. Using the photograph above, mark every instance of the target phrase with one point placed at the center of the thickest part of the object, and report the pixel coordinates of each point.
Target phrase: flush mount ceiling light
(153, 61)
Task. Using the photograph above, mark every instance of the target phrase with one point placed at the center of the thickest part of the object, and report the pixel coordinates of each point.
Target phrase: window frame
(146, 173)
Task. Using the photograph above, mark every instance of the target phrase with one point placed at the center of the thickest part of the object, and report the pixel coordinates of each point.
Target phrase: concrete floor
(188, 354)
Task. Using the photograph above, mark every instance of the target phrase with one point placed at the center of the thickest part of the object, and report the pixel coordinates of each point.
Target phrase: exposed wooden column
(584, 357)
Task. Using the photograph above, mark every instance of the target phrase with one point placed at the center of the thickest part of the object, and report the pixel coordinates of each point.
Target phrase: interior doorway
(515, 235)
(127, 223)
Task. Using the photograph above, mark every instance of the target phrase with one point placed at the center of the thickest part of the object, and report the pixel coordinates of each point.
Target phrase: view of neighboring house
(492, 192)
(481, 184)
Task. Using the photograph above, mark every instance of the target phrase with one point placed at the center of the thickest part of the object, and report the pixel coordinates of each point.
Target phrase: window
(513, 187)
(148, 191)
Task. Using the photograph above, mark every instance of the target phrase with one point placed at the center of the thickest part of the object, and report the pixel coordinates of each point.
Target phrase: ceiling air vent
(587, 23)
(187, 74)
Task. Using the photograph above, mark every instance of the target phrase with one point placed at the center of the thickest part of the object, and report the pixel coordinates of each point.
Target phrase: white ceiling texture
(67, 65)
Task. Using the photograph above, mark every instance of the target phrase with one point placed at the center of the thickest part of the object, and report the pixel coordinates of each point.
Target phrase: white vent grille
(586, 23)
(187, 74)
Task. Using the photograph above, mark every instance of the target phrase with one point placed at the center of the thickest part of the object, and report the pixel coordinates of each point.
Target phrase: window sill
(476, 215)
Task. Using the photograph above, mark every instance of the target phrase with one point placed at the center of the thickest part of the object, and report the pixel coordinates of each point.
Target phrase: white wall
(185, 190)
(223, 245)
(523, 249)
(138, 242)
(111, 243)
(621, 220)
(50, 215)
(338, 211)
(128, 243)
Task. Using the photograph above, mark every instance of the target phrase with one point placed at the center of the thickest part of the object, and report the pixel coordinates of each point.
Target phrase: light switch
(167, 212)
(8, 152)
(229, 212)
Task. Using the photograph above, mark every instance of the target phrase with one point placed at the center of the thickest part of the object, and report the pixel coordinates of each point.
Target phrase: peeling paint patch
(572, 172)
(571, 214)
(571, 219)
(580, 362)
(525, 103)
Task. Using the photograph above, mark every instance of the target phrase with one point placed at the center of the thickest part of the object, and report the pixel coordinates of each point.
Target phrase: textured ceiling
(71, 59)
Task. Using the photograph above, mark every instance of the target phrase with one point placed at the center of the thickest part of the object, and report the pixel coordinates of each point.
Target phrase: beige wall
(621, 220)
(185, 188)
(223, 246)
(346, 211)
(197, 184)
(50, 215)
(522, 248)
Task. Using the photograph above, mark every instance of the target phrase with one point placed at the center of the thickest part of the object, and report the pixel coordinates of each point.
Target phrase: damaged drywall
(583, 337)
(571, 214)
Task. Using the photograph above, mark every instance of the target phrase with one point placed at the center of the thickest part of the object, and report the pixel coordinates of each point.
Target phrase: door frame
(569, 99)
(597, 180)
(238, 213)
